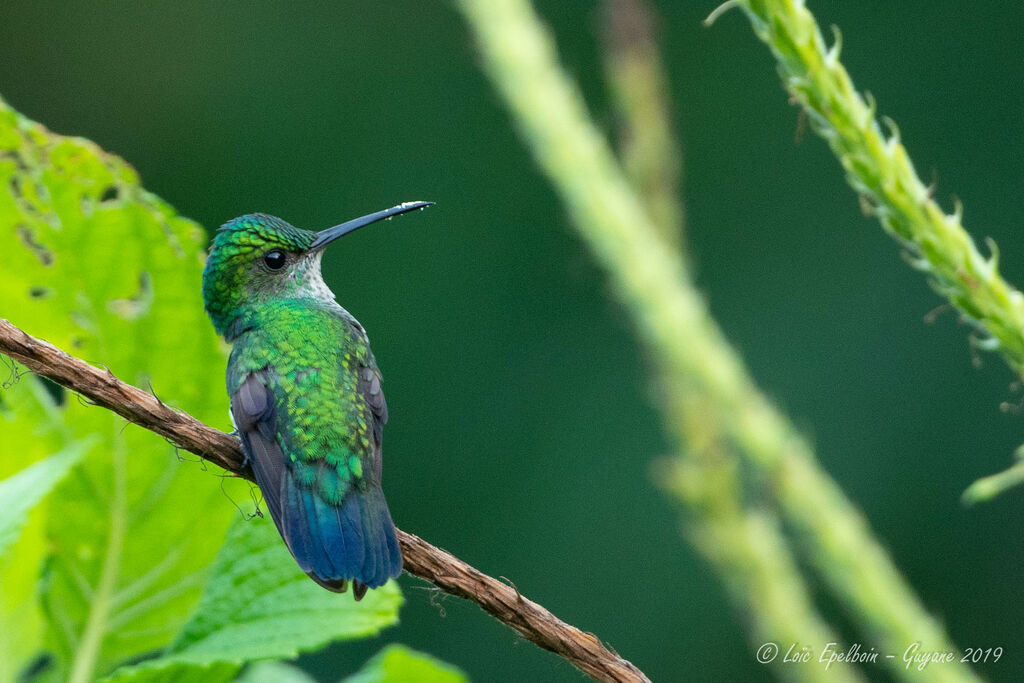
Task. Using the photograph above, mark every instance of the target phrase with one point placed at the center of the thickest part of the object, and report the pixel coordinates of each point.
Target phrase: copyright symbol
(767, 652)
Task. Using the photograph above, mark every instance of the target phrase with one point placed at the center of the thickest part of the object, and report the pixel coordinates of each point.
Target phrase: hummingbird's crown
(258, 229)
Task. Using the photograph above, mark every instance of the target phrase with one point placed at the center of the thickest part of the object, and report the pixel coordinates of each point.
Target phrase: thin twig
(440, 567)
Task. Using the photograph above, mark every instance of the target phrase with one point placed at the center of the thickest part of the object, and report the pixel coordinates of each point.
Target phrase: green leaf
(21, 620)
(397, 664)
(20, 493)
(100, 267)
(259, 605)
(161, 671)
(278, 672)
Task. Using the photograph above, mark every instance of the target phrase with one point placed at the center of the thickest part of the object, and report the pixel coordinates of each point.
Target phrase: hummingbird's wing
(325, 540)
(370, 389)
(254, 415)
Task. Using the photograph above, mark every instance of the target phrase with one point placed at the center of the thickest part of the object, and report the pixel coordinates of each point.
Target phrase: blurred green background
(522, 419)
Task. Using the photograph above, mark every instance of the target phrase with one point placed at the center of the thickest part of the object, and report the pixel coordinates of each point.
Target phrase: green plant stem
(987, 488)
(879, 169)
(747, 549)
(647, 145)
(674, 322)
(744, 544)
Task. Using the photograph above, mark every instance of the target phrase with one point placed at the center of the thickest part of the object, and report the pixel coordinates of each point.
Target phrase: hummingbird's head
(256, 258)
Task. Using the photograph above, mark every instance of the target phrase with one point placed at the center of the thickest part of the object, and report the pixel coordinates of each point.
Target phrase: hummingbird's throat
(310, 281)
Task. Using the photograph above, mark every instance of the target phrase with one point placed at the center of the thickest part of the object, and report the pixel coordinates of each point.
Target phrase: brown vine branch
(583, 650)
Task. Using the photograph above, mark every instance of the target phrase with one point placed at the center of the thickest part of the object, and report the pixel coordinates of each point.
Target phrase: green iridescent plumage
(315, 355)
(306, 397)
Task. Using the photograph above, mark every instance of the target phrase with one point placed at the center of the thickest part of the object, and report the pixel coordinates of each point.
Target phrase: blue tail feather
(333, 544)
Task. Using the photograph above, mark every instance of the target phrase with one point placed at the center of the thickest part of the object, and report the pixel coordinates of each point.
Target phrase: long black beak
(324, 237)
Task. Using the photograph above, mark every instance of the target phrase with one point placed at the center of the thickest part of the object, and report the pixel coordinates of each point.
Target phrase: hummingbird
(306, 397)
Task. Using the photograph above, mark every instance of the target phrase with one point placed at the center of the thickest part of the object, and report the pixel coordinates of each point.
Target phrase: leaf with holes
(97, 265)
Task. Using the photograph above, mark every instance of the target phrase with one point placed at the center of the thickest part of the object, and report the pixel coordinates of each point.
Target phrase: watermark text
(913, 657)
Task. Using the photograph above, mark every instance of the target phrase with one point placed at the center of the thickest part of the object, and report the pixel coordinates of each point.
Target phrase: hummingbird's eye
(275, 259)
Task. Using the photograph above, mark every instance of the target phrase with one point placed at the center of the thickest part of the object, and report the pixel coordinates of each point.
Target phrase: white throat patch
(310, 280)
